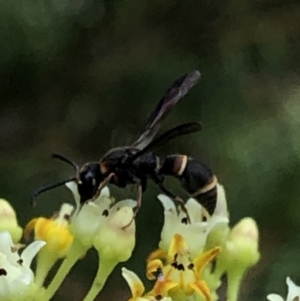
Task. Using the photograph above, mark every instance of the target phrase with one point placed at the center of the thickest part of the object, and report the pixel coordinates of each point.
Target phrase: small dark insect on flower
(135, 164)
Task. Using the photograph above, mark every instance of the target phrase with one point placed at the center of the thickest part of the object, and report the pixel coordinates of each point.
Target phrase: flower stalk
(77, 250)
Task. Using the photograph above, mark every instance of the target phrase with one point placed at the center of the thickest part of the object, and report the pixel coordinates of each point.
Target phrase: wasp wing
(180, 130)
(177, 91)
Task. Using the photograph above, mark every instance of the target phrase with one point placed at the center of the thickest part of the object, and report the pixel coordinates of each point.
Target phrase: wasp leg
(138, 205)
(104, 183)
(177, 199)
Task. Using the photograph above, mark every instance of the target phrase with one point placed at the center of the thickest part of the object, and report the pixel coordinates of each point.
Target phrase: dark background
(81, 76)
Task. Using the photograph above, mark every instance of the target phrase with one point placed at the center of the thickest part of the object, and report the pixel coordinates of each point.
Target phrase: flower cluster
(193, 253)
(193, 256)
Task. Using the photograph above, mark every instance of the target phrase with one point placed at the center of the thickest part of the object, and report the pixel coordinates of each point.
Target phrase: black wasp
(135, 164)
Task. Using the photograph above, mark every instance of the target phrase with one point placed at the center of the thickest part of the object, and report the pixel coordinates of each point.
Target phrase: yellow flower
(179, 268)
(137, 288)
(8, 221)
(55, 232)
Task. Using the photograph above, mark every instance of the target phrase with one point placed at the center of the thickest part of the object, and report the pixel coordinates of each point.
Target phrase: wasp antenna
(66, 160)
(46, 188)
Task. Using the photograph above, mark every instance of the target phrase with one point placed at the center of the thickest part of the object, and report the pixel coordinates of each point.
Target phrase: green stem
(104, 270)
(77, 250)
(234, 283)
(45, 261)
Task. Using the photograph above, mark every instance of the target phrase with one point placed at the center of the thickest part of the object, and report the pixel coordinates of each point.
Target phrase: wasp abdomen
(199, 181)
(207, 196)
(195, 177)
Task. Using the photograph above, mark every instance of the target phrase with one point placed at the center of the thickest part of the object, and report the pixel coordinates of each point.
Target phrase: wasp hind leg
(178, 200)
(141, 186)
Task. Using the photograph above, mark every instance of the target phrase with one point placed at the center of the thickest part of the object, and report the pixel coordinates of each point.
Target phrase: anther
(174, 265)
(105, 212)
(184, 220)
(67, 217)
(3, 272)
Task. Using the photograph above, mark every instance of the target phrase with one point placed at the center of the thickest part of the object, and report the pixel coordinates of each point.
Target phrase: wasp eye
(89, 175)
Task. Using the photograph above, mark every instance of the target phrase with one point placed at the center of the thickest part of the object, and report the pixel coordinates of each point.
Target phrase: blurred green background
(79, 77)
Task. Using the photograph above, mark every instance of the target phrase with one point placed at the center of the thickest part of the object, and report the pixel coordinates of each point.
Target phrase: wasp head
(90, 177)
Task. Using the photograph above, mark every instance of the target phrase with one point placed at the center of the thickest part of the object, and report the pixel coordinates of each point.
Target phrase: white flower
(195, 233)
(86, 220)
(16, 277)
(293, 292)
(115, 235)
(114, 239)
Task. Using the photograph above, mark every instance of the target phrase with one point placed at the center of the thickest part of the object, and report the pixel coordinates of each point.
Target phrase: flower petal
(152, 268)
(135, 284)
(274, 297)
(195, 210)
(168, 204)
(216, 221)
(74, 189)
(201, 288)
(178, 245)
(157, 254)
(83, 226)
(30, 252)
(104, 193)
(202, 260)
(221, 206)
(293, 290)
(6, 247)
(162, 287)
(125, 203)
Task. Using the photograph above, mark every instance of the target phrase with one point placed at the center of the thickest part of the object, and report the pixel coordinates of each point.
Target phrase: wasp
(136, 164)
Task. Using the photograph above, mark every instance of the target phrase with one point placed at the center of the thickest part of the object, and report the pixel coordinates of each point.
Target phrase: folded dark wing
(180, 130)
(172, 96)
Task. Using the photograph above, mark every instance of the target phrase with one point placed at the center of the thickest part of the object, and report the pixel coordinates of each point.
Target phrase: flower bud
(9, 221)
(240, 253)
(244, 237)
